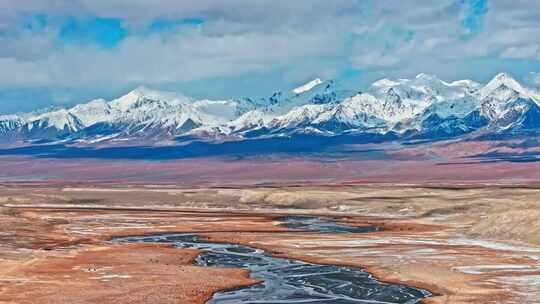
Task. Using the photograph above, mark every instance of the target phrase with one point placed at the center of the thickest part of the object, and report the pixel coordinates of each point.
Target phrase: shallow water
(321, 225)
(292, 281)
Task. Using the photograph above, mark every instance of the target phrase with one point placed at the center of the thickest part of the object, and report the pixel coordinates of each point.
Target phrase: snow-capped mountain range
(422, 107)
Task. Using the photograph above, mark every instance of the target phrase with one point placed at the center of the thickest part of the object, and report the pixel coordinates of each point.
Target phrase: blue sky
(58, 53)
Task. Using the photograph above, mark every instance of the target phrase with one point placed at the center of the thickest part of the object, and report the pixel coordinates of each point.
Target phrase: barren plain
(465, 244)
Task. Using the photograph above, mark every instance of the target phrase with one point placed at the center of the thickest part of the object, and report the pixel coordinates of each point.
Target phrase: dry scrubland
(468, 244)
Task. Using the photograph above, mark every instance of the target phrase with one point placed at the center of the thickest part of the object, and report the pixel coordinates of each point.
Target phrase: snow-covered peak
(251, 119)
(501, 86)
(504, 77)
(423, 89)
(132, 98)
(97, 110)
(504, 88)
(91, 105)
(125, 102)
(308, 86)
(325, 92)
(60, 120)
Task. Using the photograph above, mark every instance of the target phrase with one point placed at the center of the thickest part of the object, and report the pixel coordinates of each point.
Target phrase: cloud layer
(93, 46)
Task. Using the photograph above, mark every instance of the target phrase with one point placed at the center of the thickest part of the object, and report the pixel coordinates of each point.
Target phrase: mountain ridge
(421, 107)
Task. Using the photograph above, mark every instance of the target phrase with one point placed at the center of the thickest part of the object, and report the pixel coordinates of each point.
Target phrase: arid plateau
(476, 244)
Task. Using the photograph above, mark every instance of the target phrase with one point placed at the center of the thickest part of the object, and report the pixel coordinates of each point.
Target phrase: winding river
(292, 281)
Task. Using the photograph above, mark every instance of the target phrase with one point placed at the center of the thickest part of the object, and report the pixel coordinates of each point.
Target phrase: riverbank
(287, 280)
(433, 238)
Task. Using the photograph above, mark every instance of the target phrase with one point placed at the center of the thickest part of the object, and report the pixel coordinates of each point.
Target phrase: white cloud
(298, 38)
(21, 73)
(186, 56)
(521, 52)
(370, 60)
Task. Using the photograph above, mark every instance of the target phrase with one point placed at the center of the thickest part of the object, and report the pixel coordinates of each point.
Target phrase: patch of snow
(308, 86)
